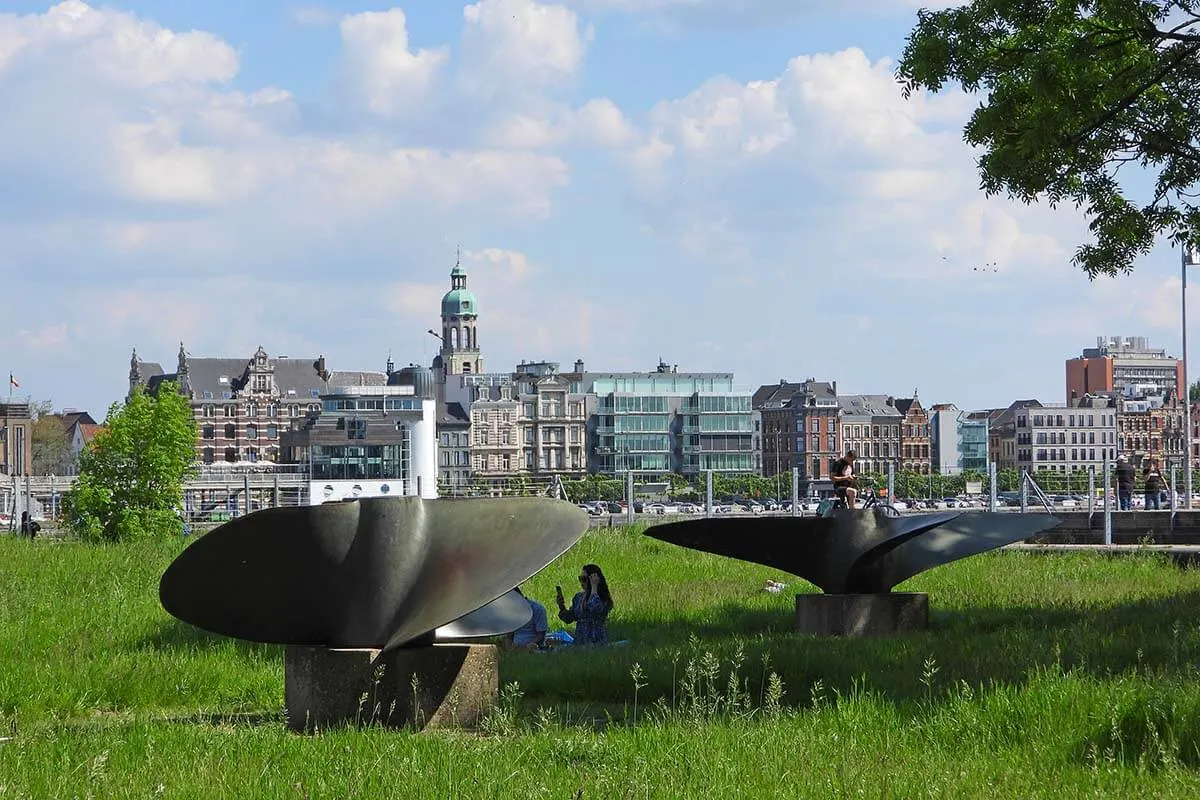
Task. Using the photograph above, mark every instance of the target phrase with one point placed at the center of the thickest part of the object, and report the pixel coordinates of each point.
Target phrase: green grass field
(1041, 676)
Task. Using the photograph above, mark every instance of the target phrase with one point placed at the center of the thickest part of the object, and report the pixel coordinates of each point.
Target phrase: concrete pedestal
(438, 686)
(861, 614)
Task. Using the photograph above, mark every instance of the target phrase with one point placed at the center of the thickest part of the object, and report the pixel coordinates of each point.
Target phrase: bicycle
(870, 500)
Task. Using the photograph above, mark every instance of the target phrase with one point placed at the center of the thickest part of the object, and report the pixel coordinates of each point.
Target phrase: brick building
(241, 406)
(916, 441)
(800, 429)
(1150, 425)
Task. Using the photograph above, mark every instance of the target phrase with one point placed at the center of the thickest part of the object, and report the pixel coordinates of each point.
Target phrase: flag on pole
(13, 381)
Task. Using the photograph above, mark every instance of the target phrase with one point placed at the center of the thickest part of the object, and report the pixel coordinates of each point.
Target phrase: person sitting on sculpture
(845, 485)
(589, 607)
(532, 635)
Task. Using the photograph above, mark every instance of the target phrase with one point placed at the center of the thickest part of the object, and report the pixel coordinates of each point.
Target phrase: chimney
(579, 365)
(835, 388)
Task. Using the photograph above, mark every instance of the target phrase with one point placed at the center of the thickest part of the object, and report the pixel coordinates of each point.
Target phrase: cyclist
(844, 482)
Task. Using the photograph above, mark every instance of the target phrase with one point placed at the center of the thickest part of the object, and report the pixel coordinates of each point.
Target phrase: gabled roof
(452, 414)
(295, 377)
(780, 395)
(904, 404)
(71, 418)
(88, 431)
(867, 405)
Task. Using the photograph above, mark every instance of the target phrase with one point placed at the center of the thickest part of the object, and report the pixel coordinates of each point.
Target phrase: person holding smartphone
(589, 607)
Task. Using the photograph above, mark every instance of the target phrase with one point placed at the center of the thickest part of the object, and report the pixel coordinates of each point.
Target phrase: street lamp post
(1188, 257)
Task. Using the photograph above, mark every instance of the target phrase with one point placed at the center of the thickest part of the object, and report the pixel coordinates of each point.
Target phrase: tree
(131, 478)
(1073, 90)
(1194, 393)
(50, 447)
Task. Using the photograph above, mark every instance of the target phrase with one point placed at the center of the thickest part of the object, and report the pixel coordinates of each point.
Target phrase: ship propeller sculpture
(855, 552)
(379, 573)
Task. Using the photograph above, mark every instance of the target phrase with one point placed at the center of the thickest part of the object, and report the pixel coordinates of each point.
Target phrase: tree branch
(1131, 97)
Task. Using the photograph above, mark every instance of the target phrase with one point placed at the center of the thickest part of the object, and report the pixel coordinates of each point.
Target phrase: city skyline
(299, 177)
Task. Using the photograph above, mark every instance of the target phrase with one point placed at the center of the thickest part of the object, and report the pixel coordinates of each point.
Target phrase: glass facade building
(667, 421)
(973, 444)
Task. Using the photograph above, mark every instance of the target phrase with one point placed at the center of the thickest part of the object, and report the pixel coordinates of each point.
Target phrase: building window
(231, 454)
(251, 410)
(230, 431)
(829, 426)
(356, 429)
(816, 441)
(251, 431)
(272, 432)
(208, 410)
(816, 468)
(208, 455)
(229, 411)
(272, 410)
(208, 433)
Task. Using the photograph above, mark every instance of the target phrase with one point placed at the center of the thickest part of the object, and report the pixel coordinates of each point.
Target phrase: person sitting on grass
(532, 635)
(589, 607)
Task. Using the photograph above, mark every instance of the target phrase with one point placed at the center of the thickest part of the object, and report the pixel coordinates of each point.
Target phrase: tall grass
(1041, 676)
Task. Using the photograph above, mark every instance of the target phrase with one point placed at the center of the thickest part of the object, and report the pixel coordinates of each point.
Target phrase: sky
(727, 185)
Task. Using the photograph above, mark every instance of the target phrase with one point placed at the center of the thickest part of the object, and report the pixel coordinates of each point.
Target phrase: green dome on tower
(459, 301)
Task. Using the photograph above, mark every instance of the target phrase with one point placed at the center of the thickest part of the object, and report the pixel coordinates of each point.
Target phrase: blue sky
(731, 185)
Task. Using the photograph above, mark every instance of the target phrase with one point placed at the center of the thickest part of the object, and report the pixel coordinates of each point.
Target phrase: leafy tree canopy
(131, 478)
(1073, 90)
(51, 449)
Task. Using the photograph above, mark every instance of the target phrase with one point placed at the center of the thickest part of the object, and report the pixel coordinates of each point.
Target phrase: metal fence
(216, 494)
(212, 496)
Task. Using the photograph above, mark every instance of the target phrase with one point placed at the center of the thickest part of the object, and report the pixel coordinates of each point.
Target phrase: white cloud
(113, 114)
(828, 159)
(512, 48)
(597, 123)
(378, 67)
(753, 12)
(110, 46)
(44, 339)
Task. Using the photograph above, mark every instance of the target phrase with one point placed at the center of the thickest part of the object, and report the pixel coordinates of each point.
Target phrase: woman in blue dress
(589, 607)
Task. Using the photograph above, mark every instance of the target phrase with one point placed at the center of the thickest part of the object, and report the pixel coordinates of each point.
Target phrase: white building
(371, 441)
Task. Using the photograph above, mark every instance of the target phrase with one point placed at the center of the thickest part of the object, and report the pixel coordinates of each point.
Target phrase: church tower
(460, 343)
